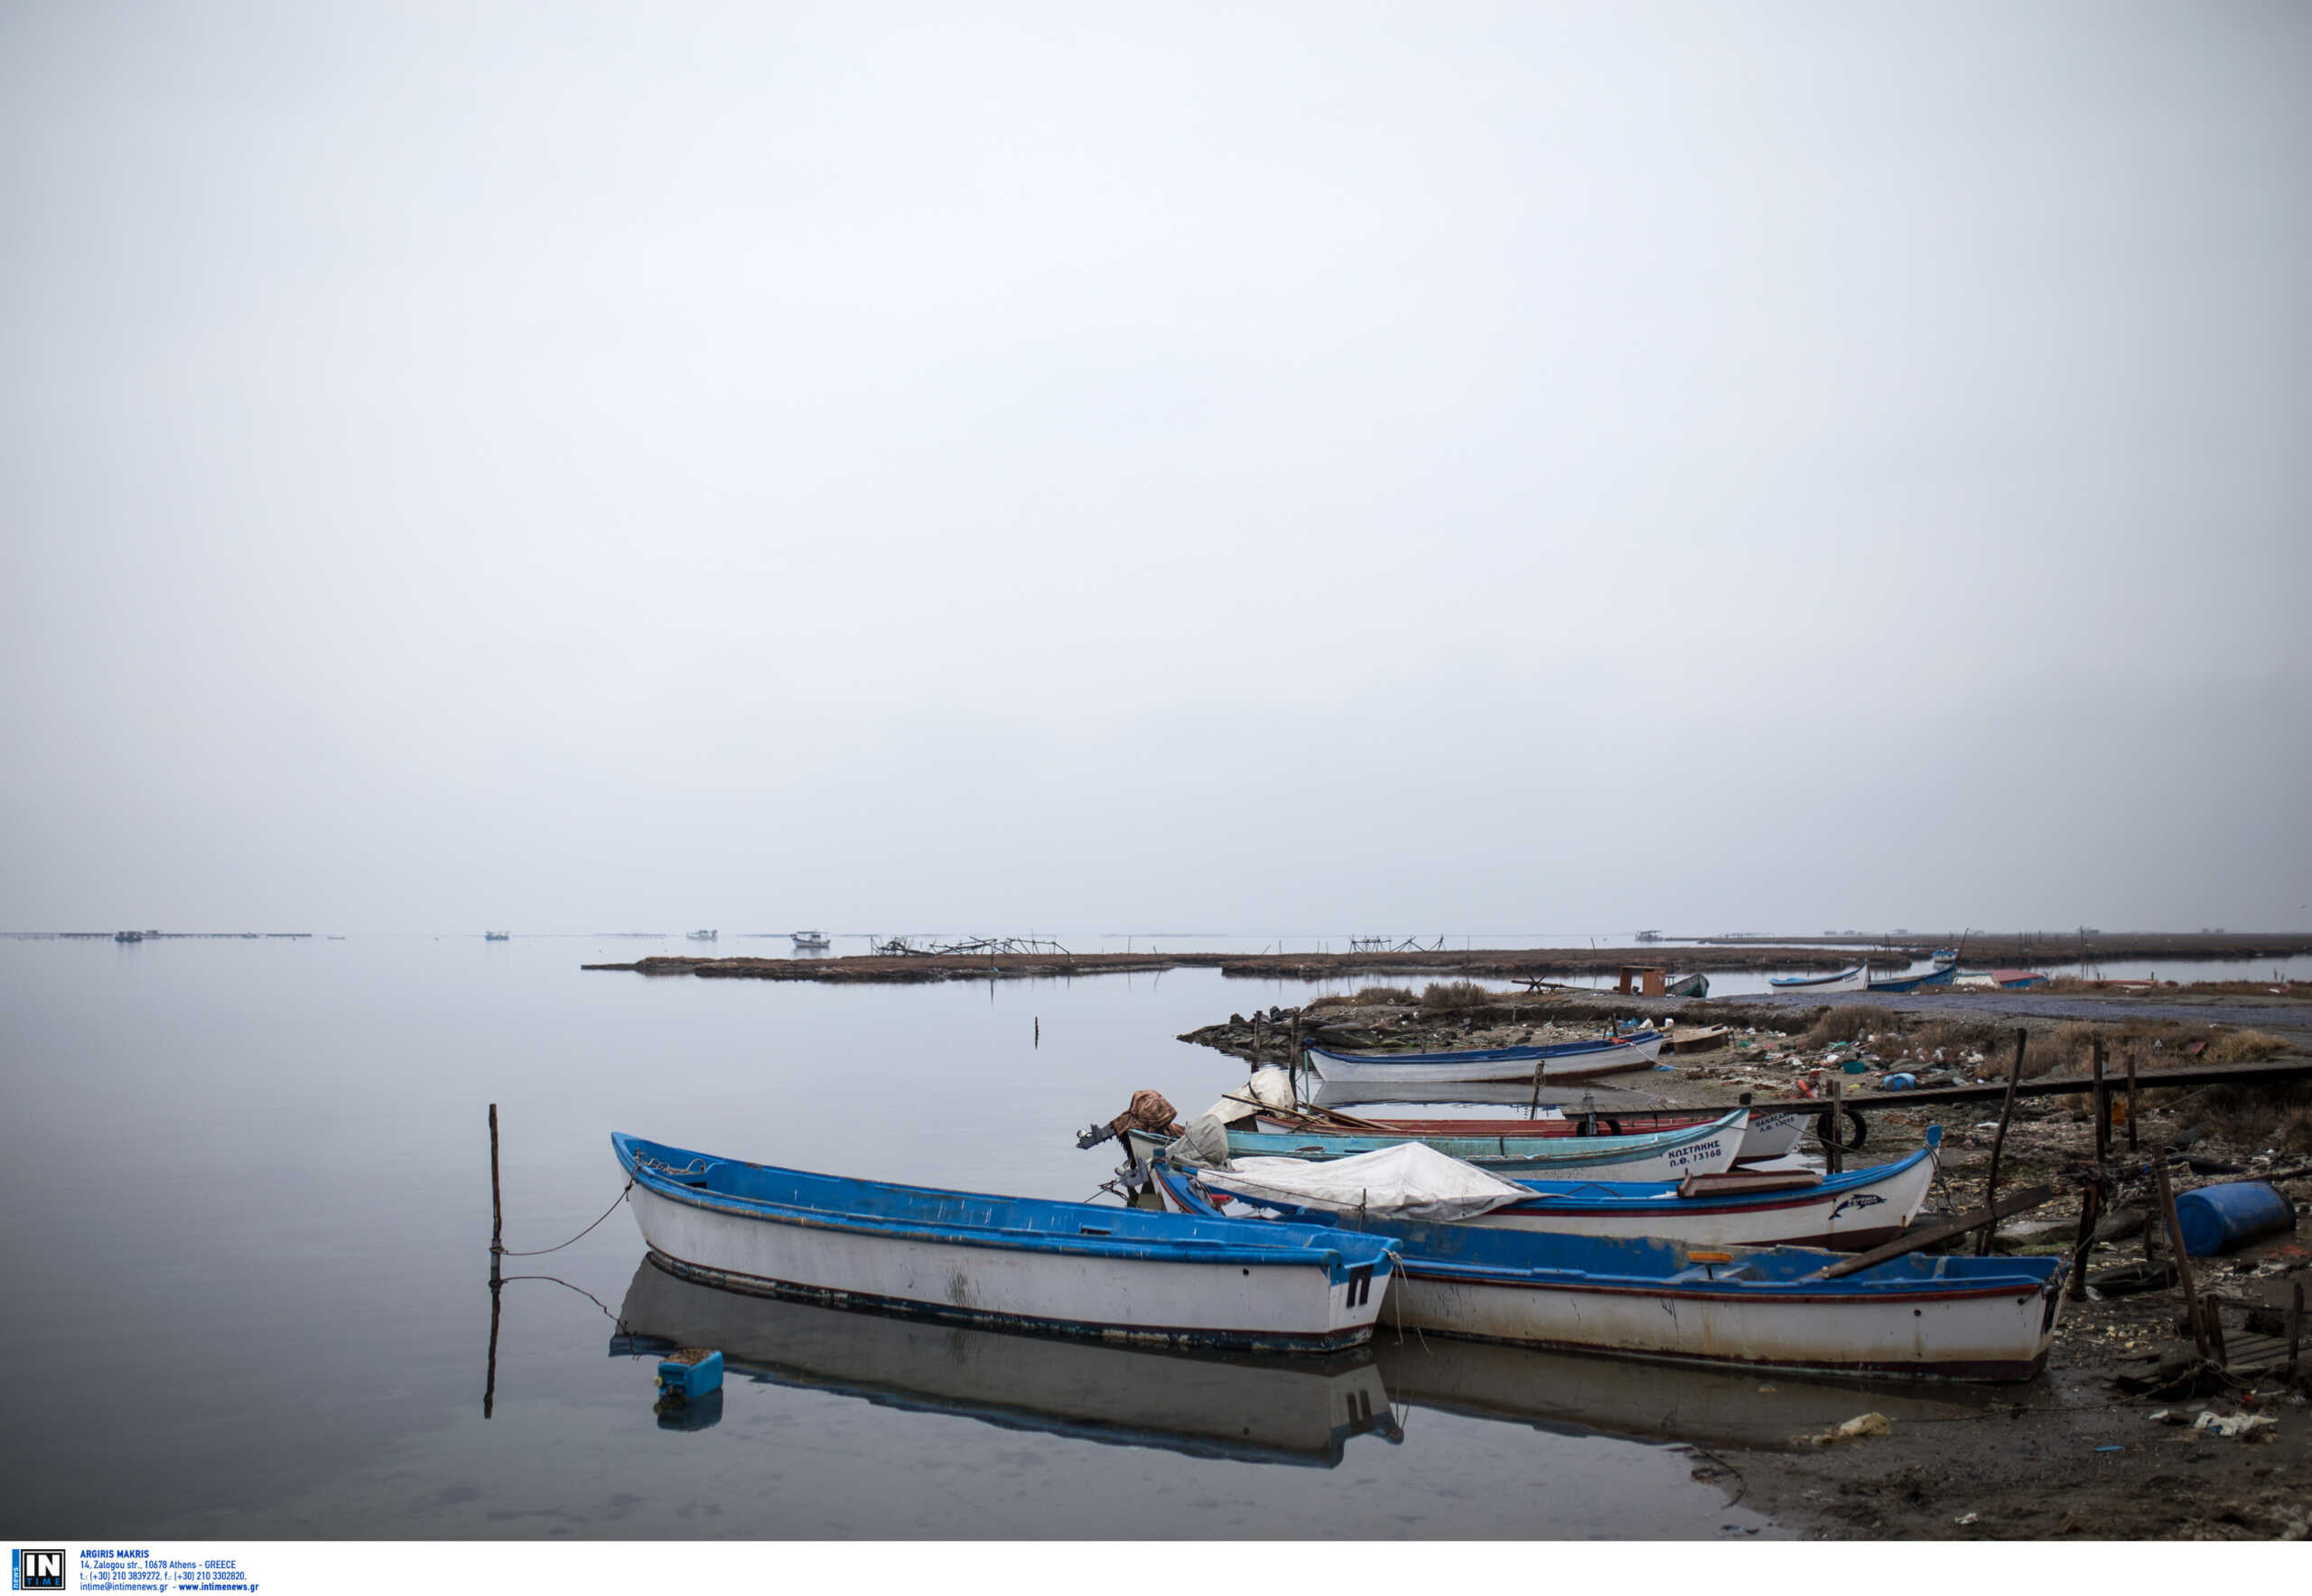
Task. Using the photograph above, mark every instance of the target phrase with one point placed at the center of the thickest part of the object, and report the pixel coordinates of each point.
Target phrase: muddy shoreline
(2071, 1453)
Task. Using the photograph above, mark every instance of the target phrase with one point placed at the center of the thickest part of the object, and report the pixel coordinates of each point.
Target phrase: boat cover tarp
(1411, 1181)
(1271, 1087)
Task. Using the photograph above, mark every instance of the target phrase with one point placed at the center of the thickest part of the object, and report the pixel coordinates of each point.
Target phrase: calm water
(248, 1205)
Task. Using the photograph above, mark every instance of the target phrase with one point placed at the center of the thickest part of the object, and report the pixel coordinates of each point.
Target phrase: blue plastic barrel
(2217, 1218)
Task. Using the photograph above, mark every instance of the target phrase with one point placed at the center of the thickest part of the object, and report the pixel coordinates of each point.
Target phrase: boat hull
(1767, 1135)
(1667, 1155)
(1308, 1297)
(1857, 979)
(1558, 1065)
(1949, 1317)
(1979, 1335)
(1846, 1217)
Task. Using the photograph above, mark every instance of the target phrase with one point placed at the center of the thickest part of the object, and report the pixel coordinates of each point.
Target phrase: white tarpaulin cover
(1272, 1086)
(1411, 1180)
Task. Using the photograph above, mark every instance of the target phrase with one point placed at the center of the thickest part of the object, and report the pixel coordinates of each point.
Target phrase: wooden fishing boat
(1694, 986)
(1254, 1409)
(1064, 1268)
(1561, 1064)
(1857, 979)
(1942, 977)
(1852, 1212)
(1656, 1155)
(1766, 1136)
(1943, 1317)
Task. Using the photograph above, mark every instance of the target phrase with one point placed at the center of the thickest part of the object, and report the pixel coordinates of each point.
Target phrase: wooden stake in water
(497, 1206)
(2132, 1104)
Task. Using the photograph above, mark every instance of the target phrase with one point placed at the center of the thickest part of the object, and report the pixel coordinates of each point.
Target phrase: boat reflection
(1572, 1394)
(1251, 1409)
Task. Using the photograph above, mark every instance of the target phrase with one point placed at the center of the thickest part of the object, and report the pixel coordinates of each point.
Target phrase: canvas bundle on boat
(1410, 1181)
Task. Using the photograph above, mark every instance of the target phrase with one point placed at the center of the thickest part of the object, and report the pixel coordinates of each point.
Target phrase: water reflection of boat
(1666, 1402)
(1266, 1410)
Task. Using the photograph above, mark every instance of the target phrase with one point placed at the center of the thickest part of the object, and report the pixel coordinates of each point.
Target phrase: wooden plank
(1973, 1220)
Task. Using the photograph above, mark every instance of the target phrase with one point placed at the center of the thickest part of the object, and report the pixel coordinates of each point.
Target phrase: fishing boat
(1694, 986)
(1658, 1156)
(1854, 980)
(1766, 1136)
(1943, 976)
(497, 936)
(1852, 1212)
(1946, 955)
(2018, 980)
(1062, 1268)
(811, 940)
(1949, 1317)
(702, 936)
(1561, 1063)
(1263, 1409)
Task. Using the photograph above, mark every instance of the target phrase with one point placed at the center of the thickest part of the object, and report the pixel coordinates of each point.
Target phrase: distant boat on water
(1943, 976)
(128, 936)
(497, 936)
(815, 941)
(702, 936)
(1854, 980)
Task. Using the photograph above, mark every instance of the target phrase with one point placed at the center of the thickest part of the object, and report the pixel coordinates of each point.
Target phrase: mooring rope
(541, 1252)
(581, 1290)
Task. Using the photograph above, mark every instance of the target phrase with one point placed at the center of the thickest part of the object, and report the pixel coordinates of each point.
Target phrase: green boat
(1694, 986)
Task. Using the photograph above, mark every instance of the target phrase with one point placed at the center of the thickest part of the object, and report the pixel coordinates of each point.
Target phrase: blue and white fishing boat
(1562, 1062)
(1857, 979)
(1852, 1212)
(1656, 1155)
(1943, 976)
(1946, 955)
(1119, 1274)
(1947, 1317)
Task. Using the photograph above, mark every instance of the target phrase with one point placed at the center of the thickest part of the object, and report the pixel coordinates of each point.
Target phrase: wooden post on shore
(1998, 1138)
(2295, 1327)
(2133, 1112)
(2102, 1100)
(2090, 1210)
(1832, 1158)
(2183, 1258)
(1534, 1108)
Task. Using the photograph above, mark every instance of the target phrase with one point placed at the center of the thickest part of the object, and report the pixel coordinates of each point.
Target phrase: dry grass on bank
(1369, 997)
(1458, 994)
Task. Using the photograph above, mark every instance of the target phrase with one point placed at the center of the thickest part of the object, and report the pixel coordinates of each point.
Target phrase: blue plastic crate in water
(691, 1373)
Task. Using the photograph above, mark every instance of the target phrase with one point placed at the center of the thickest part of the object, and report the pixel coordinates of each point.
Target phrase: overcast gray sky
(1317, 467)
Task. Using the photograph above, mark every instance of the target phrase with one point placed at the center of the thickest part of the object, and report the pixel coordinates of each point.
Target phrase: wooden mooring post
(1833, 1157)
(2183, 1259)
(2295, 1327)
(1998, 1138)
(2090, 1210)
(2102, 1096)
(2133, 1112)
(497, 1280)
